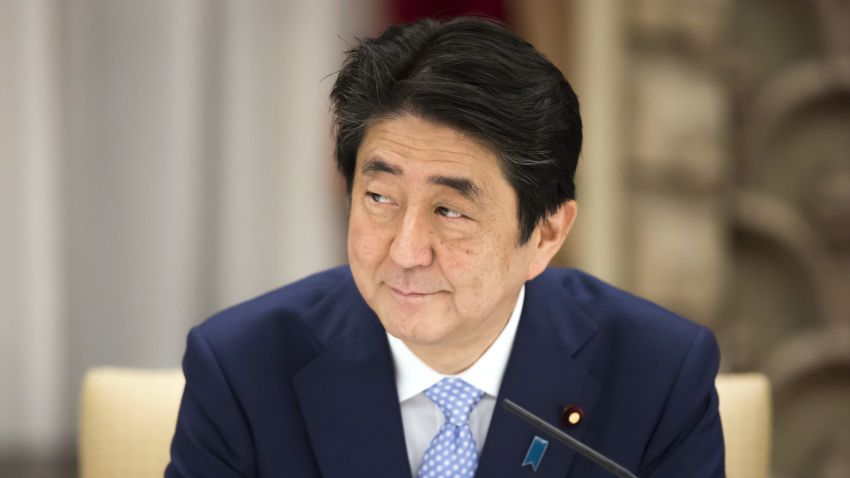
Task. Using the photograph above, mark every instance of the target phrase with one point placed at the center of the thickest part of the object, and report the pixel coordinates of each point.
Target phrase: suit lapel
(542, 376)
(350, 405)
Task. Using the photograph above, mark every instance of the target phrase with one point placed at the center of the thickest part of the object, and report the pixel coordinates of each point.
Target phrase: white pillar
(600, 64)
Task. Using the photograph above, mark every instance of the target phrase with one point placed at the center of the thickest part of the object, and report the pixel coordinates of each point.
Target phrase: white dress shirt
(421, 417)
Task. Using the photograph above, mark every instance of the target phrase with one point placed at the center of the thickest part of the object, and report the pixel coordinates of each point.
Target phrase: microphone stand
(571, 442)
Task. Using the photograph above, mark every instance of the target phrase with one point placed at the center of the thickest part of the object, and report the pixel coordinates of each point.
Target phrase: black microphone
(571, 442)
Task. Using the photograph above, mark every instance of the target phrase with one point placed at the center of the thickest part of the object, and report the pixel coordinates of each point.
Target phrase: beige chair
(745, 409)
(128, 416)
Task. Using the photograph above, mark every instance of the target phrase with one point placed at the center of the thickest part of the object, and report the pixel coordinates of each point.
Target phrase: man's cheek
(465, 268)
(364, 241)
(465, 255)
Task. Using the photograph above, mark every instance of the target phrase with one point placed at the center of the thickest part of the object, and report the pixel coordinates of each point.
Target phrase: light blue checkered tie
(452, 452)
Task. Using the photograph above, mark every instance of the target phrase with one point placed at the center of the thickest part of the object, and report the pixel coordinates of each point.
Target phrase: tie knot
(455, 398)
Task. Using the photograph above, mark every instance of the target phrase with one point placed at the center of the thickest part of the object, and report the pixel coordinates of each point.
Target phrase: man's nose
(412, 244)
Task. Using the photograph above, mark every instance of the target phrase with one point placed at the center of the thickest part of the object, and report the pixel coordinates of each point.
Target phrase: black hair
(473, 75)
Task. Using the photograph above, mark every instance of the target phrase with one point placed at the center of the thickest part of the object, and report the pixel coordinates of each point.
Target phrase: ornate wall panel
(681, 155)
(792, 223)
(741, 184)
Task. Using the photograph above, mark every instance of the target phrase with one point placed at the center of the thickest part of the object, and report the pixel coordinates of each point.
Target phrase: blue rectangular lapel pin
(535, 452)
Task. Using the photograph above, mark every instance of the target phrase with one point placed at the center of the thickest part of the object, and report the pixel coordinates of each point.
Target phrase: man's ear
(549, 236)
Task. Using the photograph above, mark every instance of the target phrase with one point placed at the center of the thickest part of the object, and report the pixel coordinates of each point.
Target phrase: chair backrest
(128, 417)
(745, 409)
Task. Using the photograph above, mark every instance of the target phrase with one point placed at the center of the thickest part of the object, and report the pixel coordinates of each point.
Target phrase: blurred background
(162, 159)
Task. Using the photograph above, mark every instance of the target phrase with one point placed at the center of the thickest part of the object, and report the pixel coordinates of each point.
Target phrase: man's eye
(449, 213)
(378, 198)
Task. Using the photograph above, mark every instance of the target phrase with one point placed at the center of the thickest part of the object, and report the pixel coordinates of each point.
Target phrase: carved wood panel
(740, 174)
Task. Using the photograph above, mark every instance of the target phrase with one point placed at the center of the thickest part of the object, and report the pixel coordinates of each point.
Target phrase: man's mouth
(410, 293)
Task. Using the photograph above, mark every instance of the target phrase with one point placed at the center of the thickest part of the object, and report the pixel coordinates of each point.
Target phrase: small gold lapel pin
(571, 415)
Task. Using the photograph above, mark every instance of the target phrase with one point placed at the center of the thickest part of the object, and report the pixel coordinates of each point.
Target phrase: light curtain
(159, 160)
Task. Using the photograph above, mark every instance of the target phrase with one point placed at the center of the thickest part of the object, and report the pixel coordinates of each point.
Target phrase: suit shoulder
(289, 309)
(621, 315)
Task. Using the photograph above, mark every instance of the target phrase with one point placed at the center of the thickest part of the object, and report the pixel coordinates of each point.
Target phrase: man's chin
(418, 331)
(422, 341)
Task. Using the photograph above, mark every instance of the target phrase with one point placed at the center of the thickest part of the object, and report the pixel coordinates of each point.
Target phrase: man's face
(433, 233)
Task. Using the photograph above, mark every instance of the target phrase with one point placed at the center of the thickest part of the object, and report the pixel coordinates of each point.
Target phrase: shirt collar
(413, 376)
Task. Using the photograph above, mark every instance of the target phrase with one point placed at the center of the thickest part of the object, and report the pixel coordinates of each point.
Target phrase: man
(458, 143)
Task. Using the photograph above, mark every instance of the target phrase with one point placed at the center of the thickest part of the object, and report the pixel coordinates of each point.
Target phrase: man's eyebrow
(464, 186)
(378, 165)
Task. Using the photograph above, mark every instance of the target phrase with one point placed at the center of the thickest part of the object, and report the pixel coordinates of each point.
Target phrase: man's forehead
(412, 135)
(417, 149)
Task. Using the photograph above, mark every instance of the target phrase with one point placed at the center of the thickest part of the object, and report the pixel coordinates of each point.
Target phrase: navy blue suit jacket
(299, 383)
